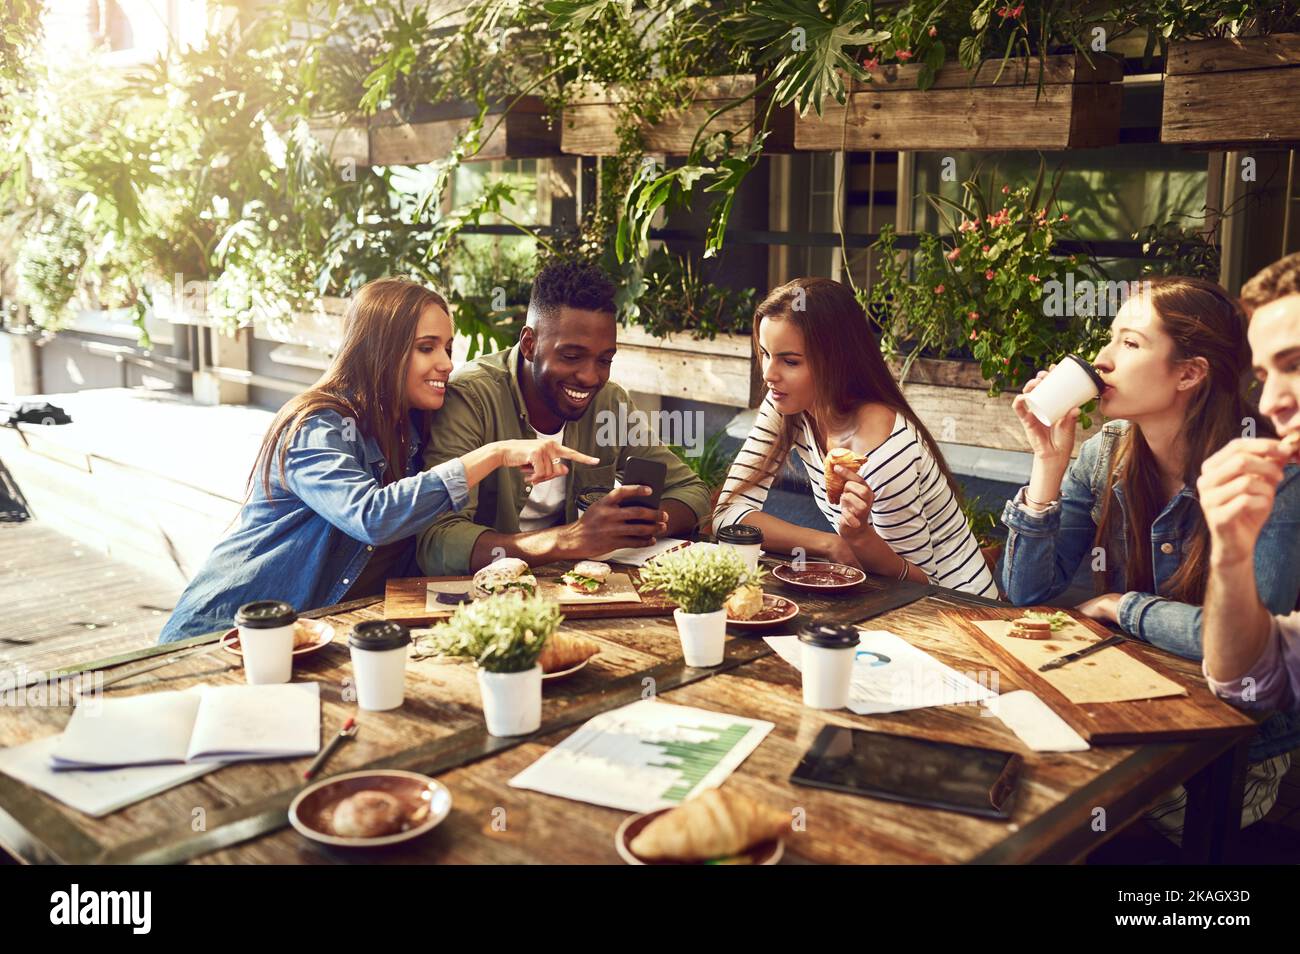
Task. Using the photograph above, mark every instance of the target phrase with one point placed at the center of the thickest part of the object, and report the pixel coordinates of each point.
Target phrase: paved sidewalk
(58, 593)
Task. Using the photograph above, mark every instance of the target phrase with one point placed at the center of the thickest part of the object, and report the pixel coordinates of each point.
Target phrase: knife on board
(1060, 661)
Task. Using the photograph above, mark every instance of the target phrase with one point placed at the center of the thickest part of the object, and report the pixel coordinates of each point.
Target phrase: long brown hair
(1204, 321)
(366, 381)
(847, 367)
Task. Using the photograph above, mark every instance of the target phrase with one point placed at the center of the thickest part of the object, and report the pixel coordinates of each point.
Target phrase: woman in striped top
(829, 387)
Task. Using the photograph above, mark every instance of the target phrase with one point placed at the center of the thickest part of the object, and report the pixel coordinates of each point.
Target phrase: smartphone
(650, 473)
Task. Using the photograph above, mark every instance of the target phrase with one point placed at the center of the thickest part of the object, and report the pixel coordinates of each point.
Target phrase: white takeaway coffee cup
(379, 650)
(744, 539)
(266, 640)
(827, 651)
(1072, 383)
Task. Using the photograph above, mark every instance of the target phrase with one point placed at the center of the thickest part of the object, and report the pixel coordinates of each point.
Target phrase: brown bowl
(323, 631)
(426, 802)
(764, 853)
(820, 576)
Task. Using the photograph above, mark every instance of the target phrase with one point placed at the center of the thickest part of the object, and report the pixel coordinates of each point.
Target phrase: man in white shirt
(1251, 657)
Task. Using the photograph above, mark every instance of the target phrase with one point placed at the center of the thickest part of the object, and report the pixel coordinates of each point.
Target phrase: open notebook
(203, 724)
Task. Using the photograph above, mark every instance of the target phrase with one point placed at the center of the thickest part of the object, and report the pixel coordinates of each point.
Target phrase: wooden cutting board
(1172, 707)
(1109, 675)
(405, 600)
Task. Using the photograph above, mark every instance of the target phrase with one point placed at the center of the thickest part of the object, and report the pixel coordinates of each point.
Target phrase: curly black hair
(571, 284)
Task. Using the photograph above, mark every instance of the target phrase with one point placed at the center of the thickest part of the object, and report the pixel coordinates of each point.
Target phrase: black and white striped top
(914, 510)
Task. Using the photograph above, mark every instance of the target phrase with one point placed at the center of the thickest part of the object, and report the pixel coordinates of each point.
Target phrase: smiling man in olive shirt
(554, 381)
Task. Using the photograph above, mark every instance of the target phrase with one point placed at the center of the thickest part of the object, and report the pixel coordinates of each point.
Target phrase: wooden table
(237, 814)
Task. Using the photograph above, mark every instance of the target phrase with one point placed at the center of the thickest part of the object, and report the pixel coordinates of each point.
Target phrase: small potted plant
(699, 579)
(504, 635)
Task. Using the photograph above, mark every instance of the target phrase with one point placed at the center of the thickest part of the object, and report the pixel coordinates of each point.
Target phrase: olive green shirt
(484, 403)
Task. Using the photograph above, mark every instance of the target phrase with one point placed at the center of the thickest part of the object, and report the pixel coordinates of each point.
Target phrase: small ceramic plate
(324, 636)
(426, 802)
(567, 672)
(764, 853)
(820, 576)
(776, 610)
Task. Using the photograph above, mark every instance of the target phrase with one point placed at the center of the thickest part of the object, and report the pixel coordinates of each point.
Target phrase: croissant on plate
(834, 482)
(713, 824)
(564, 651)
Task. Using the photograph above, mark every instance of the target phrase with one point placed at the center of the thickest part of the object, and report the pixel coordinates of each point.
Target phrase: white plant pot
(512, 701)
(704, 636)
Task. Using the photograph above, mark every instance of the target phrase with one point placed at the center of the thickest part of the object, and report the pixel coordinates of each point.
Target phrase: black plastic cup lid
(739, 533)
(265, 614)
(830, 635)
(379, 634)
(1089, 370)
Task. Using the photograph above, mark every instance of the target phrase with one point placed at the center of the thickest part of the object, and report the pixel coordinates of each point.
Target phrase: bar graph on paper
(645, 756)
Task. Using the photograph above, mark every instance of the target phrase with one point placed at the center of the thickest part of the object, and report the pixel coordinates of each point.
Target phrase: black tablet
(960, 778)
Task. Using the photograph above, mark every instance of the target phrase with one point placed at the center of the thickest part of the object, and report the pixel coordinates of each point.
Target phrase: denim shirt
(1044, 550)
(308, 542)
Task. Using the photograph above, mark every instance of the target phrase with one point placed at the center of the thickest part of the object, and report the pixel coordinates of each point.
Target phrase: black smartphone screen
(650, 473)
(960, 778)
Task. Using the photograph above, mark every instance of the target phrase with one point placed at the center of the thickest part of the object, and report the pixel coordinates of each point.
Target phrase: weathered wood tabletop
(1068, 804)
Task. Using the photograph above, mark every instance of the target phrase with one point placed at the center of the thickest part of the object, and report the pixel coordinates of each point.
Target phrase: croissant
(1291, 446)
(714, 824)
(564, 651)
(834, 482)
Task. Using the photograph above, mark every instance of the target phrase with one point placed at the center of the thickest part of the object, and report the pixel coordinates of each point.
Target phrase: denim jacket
(307, 543)
(1044, 550)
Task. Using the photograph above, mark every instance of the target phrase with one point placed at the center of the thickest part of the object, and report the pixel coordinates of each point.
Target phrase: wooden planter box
(1233, 92)
(951, 398)
(589, 127)
(1078, 107)
(720, 371)
(526, 132)
(321, 327)
(344, 143)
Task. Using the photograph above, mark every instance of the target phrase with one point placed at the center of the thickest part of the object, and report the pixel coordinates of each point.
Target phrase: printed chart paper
(645, 756)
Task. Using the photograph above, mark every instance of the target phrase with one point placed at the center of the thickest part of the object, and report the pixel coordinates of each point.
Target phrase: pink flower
(938, 289)
(1033, 278)
(1006, 360)
(871, 64)
(934, 31)
(984, 249)
(967, 225)
(989, 274)
(1018, 10)
(973, 315)
(952, 256)
(1006, 190)
(1064, 217)
(904, 55)
(1001, 217)
(974, 335)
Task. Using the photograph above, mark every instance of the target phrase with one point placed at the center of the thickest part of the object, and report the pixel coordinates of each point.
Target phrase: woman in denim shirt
(340, 495)
(1175, 370)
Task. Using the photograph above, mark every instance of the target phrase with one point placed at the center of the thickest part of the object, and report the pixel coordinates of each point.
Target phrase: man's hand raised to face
(1236, 490)
(608, 526)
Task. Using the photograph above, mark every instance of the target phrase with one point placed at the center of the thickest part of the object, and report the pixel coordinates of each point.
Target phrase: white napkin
(1035, 723)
